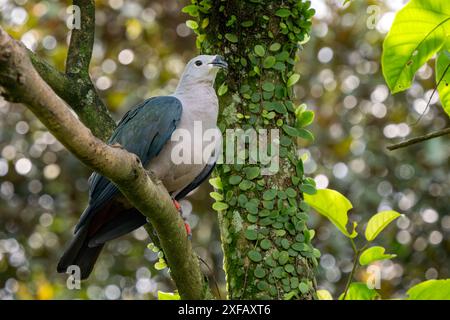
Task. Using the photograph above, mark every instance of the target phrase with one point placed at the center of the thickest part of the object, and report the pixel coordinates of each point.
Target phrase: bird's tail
(78, 253)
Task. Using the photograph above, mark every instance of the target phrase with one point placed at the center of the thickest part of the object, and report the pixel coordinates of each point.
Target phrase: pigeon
(148, 131)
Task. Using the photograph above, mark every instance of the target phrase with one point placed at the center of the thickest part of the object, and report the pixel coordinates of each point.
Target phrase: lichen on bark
(266, 242)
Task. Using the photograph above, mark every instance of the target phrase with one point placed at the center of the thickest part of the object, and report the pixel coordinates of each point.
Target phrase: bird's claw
(177, 206)
(186, 224)
(188, 230)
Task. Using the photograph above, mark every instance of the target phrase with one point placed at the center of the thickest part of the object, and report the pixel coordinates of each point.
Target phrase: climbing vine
(266, 241)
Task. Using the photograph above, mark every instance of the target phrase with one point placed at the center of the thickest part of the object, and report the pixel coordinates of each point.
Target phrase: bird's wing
(143, 131)
(197, 182)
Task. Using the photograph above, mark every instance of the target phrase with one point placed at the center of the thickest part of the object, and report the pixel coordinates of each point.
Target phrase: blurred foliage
(356, 118)
(140, 51)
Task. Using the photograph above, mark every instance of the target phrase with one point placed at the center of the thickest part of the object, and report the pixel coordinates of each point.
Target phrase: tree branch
(19, 82)
(413, 141)
(80, 95)
(75, 86)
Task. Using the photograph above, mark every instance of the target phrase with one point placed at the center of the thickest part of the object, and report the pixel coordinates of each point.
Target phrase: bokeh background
(140, 50)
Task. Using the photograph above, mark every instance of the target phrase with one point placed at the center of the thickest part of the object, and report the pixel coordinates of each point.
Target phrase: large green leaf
(334, 206)
(430, 290)
(360, 291)
(418, 32)
(378, 222)
(373, 254)
(443, 79)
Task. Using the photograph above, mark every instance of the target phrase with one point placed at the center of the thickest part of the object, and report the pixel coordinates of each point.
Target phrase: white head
(202, 70)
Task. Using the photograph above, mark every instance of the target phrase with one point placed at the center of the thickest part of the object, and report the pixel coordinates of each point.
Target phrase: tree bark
(267, 245)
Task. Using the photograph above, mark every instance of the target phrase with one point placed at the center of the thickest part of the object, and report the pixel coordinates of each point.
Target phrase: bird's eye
(198, 63)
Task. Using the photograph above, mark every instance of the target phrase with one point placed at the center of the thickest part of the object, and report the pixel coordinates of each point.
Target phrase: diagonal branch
(19, 82)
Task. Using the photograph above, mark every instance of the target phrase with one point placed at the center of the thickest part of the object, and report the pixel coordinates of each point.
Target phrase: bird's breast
(185, 155)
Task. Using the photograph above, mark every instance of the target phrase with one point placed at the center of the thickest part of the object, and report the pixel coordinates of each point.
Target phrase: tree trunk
(266, 243)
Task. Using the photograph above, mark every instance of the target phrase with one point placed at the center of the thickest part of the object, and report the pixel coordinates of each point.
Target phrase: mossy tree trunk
(267, 245)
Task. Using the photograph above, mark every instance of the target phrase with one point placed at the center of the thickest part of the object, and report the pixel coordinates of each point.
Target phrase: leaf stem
(355, 265)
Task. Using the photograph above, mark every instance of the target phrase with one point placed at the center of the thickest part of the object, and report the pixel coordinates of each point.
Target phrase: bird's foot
(186, 224)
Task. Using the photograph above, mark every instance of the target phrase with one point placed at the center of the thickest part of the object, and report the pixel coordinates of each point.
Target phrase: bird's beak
(219, 62)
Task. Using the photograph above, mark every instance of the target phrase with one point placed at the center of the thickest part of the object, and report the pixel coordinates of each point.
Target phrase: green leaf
(373, 254)
(269, 194)
(259, 272)
(415, 36)
(160, 265)
(219, 206)
(234, 180)
(192, 10)
(283, 257)
(275, 47)
(360, 291)
(324, 295)
(305, 134)
(291, 193)
(245, 185)
(334, 206)
(268, 86)
(269, 62)
(283, 13)
(254, 255)
(216, 196)
(303, 287)
(308, 189)
(290, 131)
(305, 118)
(430, 290)
(265, 244)
(216, 183)
(222, 89)
(259, 50)
(205, 23)
(293, 79)
(251, 234)
(251, 207)
(168, 295)
(252, 172)
(191, 24)
(378, 222)
(443, 79)
(231, 37)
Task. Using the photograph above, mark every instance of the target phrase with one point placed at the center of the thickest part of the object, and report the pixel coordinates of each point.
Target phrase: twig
(212, 275)
(355, 264)
(432, 95)
(419, 139)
